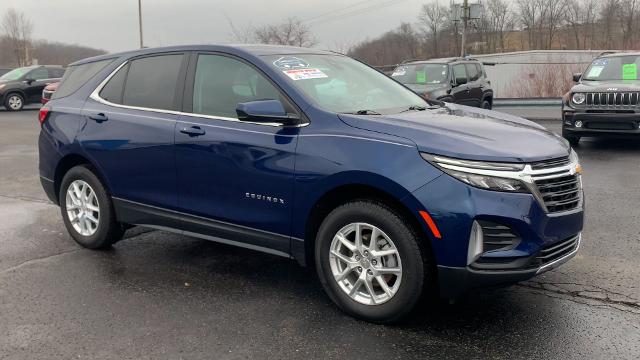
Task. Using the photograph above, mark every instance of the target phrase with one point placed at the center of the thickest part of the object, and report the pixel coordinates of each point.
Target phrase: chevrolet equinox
(313, 156)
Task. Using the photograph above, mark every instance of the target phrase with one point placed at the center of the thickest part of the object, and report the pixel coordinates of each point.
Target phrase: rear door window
(55, 73)
(152, 82)
(114, 89)
(39, 74)
(78, 75)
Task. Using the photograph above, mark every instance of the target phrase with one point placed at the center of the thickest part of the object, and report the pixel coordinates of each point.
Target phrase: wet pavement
(157, 295)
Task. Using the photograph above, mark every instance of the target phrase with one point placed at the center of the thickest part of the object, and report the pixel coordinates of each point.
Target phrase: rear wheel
(87, 210)
(14, 102)
(370, 262)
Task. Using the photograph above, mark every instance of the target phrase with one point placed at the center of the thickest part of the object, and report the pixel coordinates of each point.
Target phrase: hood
(604, 86)
(468, 133)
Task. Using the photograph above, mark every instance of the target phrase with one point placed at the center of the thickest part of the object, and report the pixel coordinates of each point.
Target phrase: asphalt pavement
(157, 295)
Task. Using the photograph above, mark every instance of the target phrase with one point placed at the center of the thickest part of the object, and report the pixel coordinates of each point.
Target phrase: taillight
(42, 115)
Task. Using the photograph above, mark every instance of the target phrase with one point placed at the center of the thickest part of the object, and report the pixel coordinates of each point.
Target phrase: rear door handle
(193, 131)
(98, 117)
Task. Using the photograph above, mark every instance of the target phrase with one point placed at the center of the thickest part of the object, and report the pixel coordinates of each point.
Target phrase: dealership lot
(158, 295)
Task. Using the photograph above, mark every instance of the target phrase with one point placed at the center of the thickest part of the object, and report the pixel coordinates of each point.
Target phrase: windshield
(614, 68)
(15, 74)
(342, 85)
(421, 73)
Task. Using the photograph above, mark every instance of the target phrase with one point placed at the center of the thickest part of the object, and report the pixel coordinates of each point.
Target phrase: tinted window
(222, 82)
(472, 72)
(152, 81)
(78, 75)
(459, 72)
(429, 73)
(39, 74)
(480, 70)
(114, 89)
(55, 73)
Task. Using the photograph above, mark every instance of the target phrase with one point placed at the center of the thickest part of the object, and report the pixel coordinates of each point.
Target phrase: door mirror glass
(577, 76)
(265, 111)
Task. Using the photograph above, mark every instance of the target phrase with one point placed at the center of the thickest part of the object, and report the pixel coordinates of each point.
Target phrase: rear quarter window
(78, 75)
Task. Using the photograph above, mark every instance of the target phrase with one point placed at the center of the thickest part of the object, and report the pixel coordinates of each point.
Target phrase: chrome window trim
(95, 95)
(528, 176)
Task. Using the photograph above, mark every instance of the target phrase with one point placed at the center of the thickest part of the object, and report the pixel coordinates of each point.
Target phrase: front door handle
(98, 117)
(193, 131)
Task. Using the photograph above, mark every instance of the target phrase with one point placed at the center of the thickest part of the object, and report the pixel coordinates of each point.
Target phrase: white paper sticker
(595, 71)
(399, 72)
(303, 74)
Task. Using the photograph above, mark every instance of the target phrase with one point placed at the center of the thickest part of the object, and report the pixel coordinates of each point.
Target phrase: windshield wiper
(414, 108)
(364, 112)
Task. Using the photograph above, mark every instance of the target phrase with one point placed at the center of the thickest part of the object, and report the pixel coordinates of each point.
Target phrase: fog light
(578, 124)
(476, 239)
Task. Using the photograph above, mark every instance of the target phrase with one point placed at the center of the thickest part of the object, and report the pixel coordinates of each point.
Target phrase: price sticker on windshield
(421, 77)
(629, 72)
(595, 71)
(304, 74)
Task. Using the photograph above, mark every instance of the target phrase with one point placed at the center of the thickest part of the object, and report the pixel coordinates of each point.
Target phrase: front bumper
(455, 206)
(606, 124)
(456, 281)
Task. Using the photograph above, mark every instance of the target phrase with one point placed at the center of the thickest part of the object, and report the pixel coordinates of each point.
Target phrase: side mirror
(266, 111)
(576, 77)
(29, 80)
(460, 81)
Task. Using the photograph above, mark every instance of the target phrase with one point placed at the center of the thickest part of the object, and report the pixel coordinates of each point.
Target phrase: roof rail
(409, 60)
(607, 53)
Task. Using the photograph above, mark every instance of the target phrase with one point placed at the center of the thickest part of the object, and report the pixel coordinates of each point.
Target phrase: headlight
(578, 98)
(483, 175)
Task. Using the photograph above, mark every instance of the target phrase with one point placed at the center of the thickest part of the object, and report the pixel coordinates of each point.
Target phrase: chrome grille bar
(626, 100)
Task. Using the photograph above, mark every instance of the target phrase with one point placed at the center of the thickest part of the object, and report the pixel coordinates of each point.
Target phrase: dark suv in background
(23, 86)
(605, 101)
(456, 80)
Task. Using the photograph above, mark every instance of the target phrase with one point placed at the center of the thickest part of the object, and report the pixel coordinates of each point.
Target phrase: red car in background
(48, 91)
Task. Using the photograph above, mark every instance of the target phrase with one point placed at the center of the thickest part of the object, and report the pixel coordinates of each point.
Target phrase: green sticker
(629, 72)
(421, 77)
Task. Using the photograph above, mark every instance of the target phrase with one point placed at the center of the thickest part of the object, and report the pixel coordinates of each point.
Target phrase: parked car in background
(314, 156)
(48, 92)
(4, 71)
(605, 101)
(456, 80)
(23, 86)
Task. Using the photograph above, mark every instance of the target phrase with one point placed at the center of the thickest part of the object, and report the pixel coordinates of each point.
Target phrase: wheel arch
(348, 192)
(70, 161)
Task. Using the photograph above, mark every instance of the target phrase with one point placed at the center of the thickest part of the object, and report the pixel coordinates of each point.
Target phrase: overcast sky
(112, 25)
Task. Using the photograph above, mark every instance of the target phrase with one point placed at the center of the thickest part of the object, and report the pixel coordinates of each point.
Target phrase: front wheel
(87, 210)
(486, 104)
(369, 261)
(14, 102)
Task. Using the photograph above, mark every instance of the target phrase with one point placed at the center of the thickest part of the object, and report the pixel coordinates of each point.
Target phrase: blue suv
(313, 156)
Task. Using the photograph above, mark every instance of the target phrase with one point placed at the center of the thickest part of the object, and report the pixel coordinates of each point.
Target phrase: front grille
(619, 100)
(560, 193)
(557, 250)
(545, 164)
(601, 125)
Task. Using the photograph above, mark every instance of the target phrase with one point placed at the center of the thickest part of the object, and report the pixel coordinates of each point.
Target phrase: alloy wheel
(365, 263)
(15, 102)
(82, 208)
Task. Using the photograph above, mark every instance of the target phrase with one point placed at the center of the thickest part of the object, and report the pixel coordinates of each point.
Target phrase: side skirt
(135, 213)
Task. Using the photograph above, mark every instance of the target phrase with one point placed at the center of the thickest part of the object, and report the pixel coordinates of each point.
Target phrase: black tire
(8, 100)
(486, 104)
(108, 230)
(416, 270)
(572, 139)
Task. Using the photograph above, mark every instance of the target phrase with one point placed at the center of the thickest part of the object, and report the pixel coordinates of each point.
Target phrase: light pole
(464, 18)
(140, 22)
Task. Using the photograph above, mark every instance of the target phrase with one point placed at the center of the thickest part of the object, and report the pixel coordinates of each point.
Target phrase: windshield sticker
(601, 62)
(629, 72)
(421, 77)
(290, 62)
(304, 74)
(595, 71)
(399, 71)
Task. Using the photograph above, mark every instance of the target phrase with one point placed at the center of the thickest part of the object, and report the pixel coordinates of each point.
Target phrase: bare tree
(433, 19)
(629, 22)
(17, 28)
(608, 17)
(291, 32)
(497, 19)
